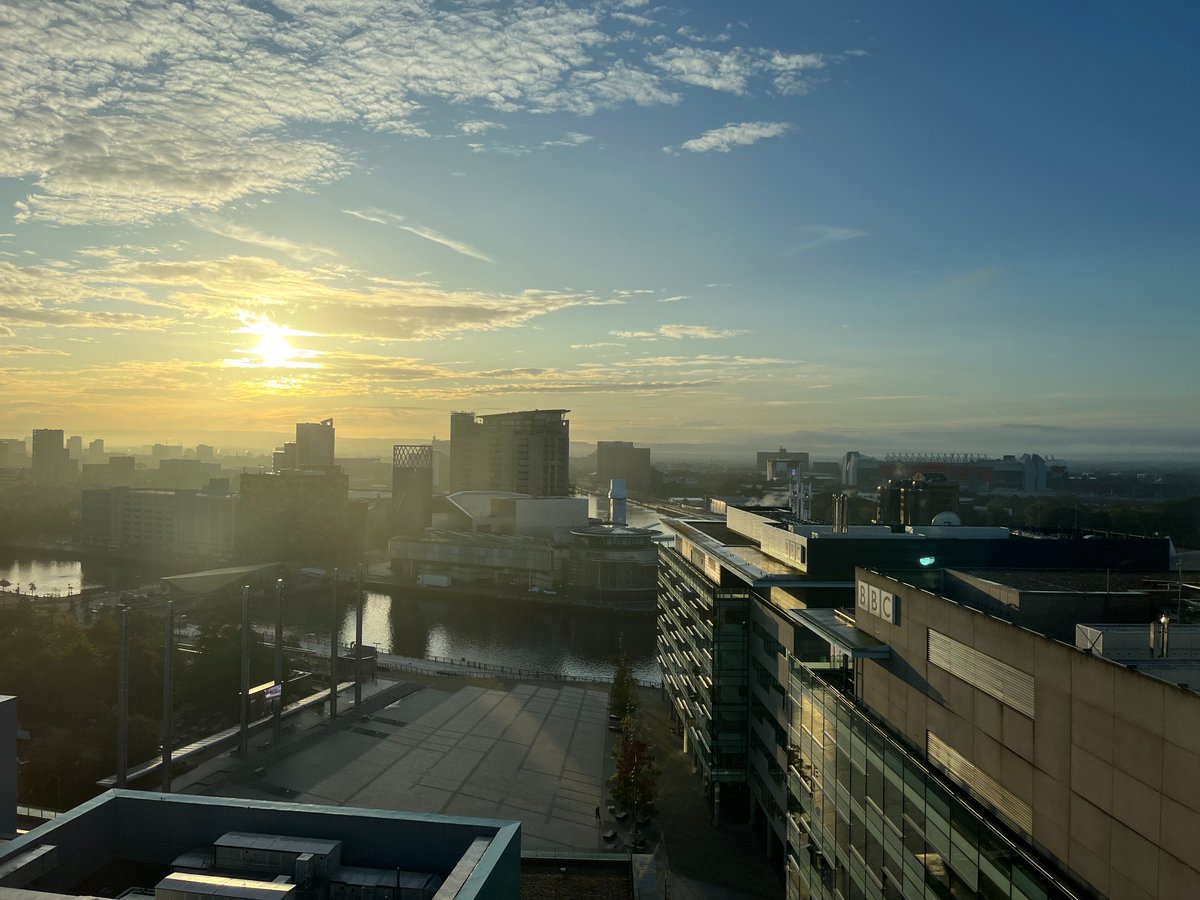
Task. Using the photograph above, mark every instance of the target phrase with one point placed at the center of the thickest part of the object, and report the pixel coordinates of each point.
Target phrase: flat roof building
(745, 601)
(185, 847)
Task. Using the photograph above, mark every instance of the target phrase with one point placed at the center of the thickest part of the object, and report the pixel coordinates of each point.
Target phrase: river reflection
(45, 576)
(520, 635)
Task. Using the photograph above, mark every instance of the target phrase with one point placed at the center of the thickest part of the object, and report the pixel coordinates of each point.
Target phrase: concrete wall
(1109, 763)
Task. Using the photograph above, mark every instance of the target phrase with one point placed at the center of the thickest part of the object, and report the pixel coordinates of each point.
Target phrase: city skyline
(901, 229)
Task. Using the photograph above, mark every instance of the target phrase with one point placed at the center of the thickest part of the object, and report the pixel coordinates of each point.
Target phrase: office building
(622, 460)
(314, 443)
(525, 452)
(159, 522)
(934, 750)
(95, 450)
(741, 600)
(205, 452)
(176, 847)
(50, 459)
(167, 451)
(294, 514)
(412, 488)
(75, 447)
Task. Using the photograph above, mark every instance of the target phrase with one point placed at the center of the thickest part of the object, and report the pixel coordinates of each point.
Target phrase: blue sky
(871, 226)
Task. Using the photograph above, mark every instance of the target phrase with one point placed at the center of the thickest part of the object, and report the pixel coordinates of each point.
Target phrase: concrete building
(167, 451)
(933, 750)
(50, 459)
(412, 488)
(205, 452)
(293, 514)
(12, 452)
(514, 542)
(314, 443)
(622, 460)
(526, 452)
(161, 522)
(75, 447)
(186, 848)
(740, 600)
(778, 465)
(96, 450)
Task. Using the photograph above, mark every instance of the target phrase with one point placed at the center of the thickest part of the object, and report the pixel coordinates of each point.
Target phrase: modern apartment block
(749, 609)
(169, 523)
(524, 452)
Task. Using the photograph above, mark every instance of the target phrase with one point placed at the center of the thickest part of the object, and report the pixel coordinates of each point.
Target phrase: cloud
(383, 217)
(25, 350)
(731, 71)
(817, 235)
(679, 332)
(675, 299)
(570, 139)
(734, 134)
(478, 126)
(247, 235)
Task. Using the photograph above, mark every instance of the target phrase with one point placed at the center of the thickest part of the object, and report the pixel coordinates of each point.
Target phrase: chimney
(617, 501)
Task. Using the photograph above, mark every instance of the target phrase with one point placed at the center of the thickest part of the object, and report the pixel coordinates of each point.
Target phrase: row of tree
(634, 783)
(65, 679)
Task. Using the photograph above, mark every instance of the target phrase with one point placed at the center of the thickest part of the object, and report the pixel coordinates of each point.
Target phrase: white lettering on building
(878, 602)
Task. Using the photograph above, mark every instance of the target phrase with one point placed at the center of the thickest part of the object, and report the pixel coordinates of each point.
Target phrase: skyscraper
(525, 452)
(49, 456)
(314, 443)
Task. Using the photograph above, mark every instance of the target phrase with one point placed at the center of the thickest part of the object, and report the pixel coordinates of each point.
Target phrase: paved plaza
(530, 752)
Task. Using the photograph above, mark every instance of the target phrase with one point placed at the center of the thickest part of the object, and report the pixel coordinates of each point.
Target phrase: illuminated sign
(878, 602)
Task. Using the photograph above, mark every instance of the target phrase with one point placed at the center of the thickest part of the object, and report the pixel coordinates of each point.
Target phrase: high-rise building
(49, 456)
(167, 451)
(412, 488)
(314, 443)
(524, 452)
(204, 452)
(622, 460)
(96, 450)
(75, 446)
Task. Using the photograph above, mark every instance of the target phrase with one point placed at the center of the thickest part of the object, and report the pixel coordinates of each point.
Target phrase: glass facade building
(868, 819)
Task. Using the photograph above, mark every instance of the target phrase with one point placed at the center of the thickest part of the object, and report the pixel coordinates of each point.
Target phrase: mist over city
(589, 449)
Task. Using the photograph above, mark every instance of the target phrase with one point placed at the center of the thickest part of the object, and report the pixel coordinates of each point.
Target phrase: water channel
(523, 635)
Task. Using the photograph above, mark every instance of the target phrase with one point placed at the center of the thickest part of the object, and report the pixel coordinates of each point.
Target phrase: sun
(274, 350)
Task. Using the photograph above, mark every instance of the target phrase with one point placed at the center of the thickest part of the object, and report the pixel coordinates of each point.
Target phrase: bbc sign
(878, 603)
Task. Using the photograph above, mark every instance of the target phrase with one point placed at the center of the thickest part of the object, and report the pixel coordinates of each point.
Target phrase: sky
(857, 225)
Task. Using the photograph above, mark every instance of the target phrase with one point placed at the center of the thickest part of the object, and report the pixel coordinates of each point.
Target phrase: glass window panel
(1026, 879)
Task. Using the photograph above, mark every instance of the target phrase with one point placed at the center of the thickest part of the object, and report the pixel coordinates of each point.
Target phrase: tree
(635, 782)
(622, 699)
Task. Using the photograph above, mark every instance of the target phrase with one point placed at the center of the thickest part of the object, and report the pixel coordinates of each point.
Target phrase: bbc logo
(878, 603)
